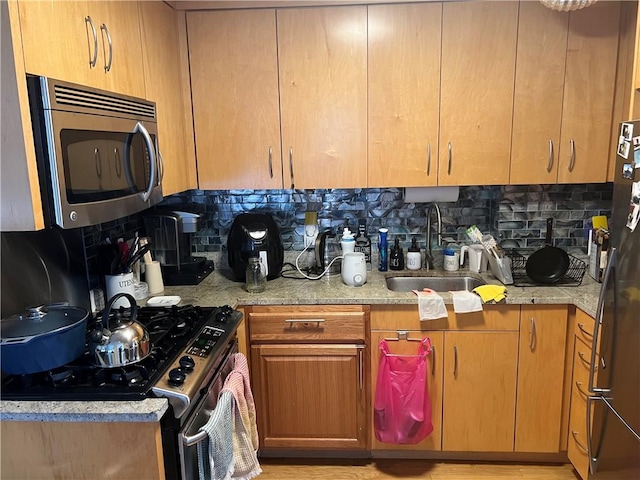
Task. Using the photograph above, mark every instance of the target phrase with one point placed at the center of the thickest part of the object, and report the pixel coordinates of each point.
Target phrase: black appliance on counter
(170, 241)
(192, 352)
(255, 233)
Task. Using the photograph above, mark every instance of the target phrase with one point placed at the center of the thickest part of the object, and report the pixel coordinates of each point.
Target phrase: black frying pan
(548, 264)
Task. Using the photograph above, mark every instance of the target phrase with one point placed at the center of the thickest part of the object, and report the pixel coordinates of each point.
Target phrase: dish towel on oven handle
(402, 407)
(245, 432)
(215, 455)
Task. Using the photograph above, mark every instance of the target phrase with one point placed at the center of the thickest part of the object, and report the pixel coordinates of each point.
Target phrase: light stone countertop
(218, 289)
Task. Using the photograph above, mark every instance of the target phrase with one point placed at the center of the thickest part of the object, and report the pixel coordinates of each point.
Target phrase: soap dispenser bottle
(396, 259)
(413, 256)
(382, 249)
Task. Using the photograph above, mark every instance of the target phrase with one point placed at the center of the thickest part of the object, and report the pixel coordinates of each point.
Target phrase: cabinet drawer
(585, 326)
(308, 323)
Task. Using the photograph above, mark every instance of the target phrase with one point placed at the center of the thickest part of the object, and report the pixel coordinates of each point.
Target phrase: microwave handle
(139, 128)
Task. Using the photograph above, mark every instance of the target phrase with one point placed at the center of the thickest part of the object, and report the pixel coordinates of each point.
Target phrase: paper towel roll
(153, 276)
(431, 194)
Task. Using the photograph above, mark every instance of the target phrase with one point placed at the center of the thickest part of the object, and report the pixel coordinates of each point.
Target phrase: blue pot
(42, 339)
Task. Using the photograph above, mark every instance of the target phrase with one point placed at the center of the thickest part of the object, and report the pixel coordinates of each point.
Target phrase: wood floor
(277, 469)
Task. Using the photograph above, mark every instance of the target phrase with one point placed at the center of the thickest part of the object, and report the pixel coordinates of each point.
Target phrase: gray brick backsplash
(516, 212)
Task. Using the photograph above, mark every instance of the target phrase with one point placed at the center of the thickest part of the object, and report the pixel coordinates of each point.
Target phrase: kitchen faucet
(428, 256)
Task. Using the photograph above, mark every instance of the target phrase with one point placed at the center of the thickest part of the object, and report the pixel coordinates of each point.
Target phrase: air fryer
(257, 233)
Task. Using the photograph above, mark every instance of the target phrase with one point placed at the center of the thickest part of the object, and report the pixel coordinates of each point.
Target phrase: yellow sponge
(489, 293)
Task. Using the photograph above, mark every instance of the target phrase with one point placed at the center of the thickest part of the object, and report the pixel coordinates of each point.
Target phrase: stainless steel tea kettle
(326, 249)
(119, 343)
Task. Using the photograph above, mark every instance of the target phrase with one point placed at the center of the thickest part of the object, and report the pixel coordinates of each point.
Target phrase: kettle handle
(107, 310)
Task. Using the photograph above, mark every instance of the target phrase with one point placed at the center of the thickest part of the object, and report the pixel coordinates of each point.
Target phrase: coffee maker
(170, 240)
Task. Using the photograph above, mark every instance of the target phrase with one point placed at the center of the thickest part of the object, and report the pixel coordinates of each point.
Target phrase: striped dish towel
(215, 455)
(247, 411)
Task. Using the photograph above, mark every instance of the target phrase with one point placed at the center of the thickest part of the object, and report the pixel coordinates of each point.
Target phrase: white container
(122, 283)
(414, 260)
(477, 257)
(451, 261)
(354, 269)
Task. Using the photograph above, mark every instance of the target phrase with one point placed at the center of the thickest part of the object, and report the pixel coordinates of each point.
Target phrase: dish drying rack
(572, 278)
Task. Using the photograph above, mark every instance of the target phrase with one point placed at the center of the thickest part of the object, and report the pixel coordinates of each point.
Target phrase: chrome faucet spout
(428, 260)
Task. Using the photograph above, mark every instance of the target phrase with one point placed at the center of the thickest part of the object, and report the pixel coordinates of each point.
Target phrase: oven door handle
(193, 439)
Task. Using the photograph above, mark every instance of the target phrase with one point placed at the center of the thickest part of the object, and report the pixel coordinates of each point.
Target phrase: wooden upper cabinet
(543, 335)
(162, 67)
(234, 80)
(537, 114)
(60, 39)
(589, 93)
(404, 44)
(477, 85)
(323, 96)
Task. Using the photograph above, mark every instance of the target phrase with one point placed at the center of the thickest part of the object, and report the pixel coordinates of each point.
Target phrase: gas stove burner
(125, 376)
(61, 376)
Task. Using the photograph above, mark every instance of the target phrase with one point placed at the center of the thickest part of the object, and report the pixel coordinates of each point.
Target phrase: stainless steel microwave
(97, 152)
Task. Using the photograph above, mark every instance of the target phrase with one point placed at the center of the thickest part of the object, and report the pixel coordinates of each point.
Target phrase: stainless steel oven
(97, 152)
(190, 434)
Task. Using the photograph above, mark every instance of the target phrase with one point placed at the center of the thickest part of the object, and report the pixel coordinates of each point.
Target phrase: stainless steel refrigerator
(614, 437)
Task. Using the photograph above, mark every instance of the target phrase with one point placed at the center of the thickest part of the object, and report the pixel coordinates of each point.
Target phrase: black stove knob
(187, 363)
(177, 376)
(224, 313)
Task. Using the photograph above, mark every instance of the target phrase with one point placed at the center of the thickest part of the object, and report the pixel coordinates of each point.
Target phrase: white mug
(477, 257)
(122, 283)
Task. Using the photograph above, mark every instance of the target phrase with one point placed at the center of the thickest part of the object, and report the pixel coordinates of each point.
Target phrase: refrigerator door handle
(608, 274)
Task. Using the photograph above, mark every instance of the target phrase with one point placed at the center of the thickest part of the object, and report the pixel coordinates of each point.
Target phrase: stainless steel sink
(439, 284)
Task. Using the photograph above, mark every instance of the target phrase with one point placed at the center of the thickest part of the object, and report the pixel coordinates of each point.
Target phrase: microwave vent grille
(95, 100)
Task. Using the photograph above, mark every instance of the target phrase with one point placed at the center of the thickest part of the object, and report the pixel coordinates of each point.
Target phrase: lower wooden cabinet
(577, 439)
(543, 334)
(480, 371)
(310, 376)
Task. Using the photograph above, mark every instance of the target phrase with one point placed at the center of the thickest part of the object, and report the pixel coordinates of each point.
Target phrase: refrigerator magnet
(636, 158)
(626, 131)
(633, 217)
(627, 171)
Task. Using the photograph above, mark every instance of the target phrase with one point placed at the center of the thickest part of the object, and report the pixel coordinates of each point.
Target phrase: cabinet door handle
(433, 360)
(455, 360)
(360, 368)
(291, 166)
(107, 64)
(428, 159)
(550, 164)
(271, 162)
(532, 335)
(92, 60)
(98, 160)
(572, 156)
(575, 438)
(450, 158)
(581, 327)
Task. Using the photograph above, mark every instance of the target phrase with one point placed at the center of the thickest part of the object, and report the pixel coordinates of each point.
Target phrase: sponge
(488, 293)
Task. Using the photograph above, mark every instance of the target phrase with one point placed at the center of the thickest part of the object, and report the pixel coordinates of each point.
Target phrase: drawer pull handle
(581, 327)
(292, 321)
(579, 387)
(575, 438)
(585, 361)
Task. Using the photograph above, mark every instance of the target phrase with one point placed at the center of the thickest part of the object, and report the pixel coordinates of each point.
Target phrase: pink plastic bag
(402, 408)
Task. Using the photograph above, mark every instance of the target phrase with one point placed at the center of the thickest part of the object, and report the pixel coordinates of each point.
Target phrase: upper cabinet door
(477, 85)
(323, 96)
(121, 46)
(90, 43)
(404, 94)
(60, 39)
(234, 81)
(537, 115)
(592, 52)
(162, 69)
